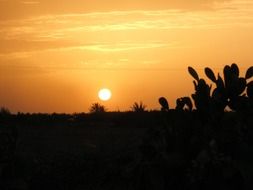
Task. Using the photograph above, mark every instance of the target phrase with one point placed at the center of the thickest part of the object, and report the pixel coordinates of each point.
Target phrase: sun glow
(104, 94)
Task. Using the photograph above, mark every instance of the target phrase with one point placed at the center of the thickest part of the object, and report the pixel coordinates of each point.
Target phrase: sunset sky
(55, 55)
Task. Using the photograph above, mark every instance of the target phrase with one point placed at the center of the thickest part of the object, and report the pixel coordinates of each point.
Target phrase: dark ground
(146, 151)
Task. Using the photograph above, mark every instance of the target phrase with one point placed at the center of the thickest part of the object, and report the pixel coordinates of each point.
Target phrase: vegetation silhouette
(184, 103)
(4, 111)
(138, 107)
(188, 148)
(97, 108)
(229, 91)
(164, 103)
(204, 147)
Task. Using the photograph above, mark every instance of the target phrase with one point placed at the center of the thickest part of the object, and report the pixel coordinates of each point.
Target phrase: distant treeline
(83, 119)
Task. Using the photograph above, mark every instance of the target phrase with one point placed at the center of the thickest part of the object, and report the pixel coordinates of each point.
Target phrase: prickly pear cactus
(229, 91)
(184, 103)
(201, 96)
(164, 103)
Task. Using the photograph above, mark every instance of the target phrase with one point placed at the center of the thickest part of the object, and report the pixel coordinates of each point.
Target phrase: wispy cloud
(115, 31)
(30, 2)
(122, 46)
(69, 26)
(97, 47)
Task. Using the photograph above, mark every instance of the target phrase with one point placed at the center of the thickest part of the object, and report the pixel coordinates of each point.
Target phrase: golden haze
(54, 57)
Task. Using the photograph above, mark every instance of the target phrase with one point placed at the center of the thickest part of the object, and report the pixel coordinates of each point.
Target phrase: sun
(104, 94)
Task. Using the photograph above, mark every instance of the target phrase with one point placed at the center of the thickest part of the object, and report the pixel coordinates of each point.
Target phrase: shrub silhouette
(97, 108)
(138, 107)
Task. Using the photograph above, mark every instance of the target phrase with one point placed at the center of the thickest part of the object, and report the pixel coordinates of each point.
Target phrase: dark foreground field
(135, 151)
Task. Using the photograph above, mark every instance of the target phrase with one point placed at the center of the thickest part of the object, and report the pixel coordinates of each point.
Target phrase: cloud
(30, 2)
(15, 9)
(69, 26)
(116, 31)
(99, 47)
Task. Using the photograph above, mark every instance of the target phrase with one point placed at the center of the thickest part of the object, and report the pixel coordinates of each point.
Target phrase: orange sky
(56, 55)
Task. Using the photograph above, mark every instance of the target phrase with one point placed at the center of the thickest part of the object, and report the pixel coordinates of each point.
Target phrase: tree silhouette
(97, 108)
(4, 111)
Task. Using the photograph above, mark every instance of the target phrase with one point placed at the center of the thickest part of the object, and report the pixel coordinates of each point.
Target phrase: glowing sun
(104, 94)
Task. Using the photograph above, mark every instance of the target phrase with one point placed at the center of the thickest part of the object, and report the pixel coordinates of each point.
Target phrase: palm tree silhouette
(138, 107)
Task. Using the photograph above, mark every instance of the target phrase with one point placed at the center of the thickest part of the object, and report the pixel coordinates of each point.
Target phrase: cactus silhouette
(229, 91)
(201, 96)
(164, 103)
(210, 74)
(193, 73)
(249, 73)
(184, 103)
(250, 90)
